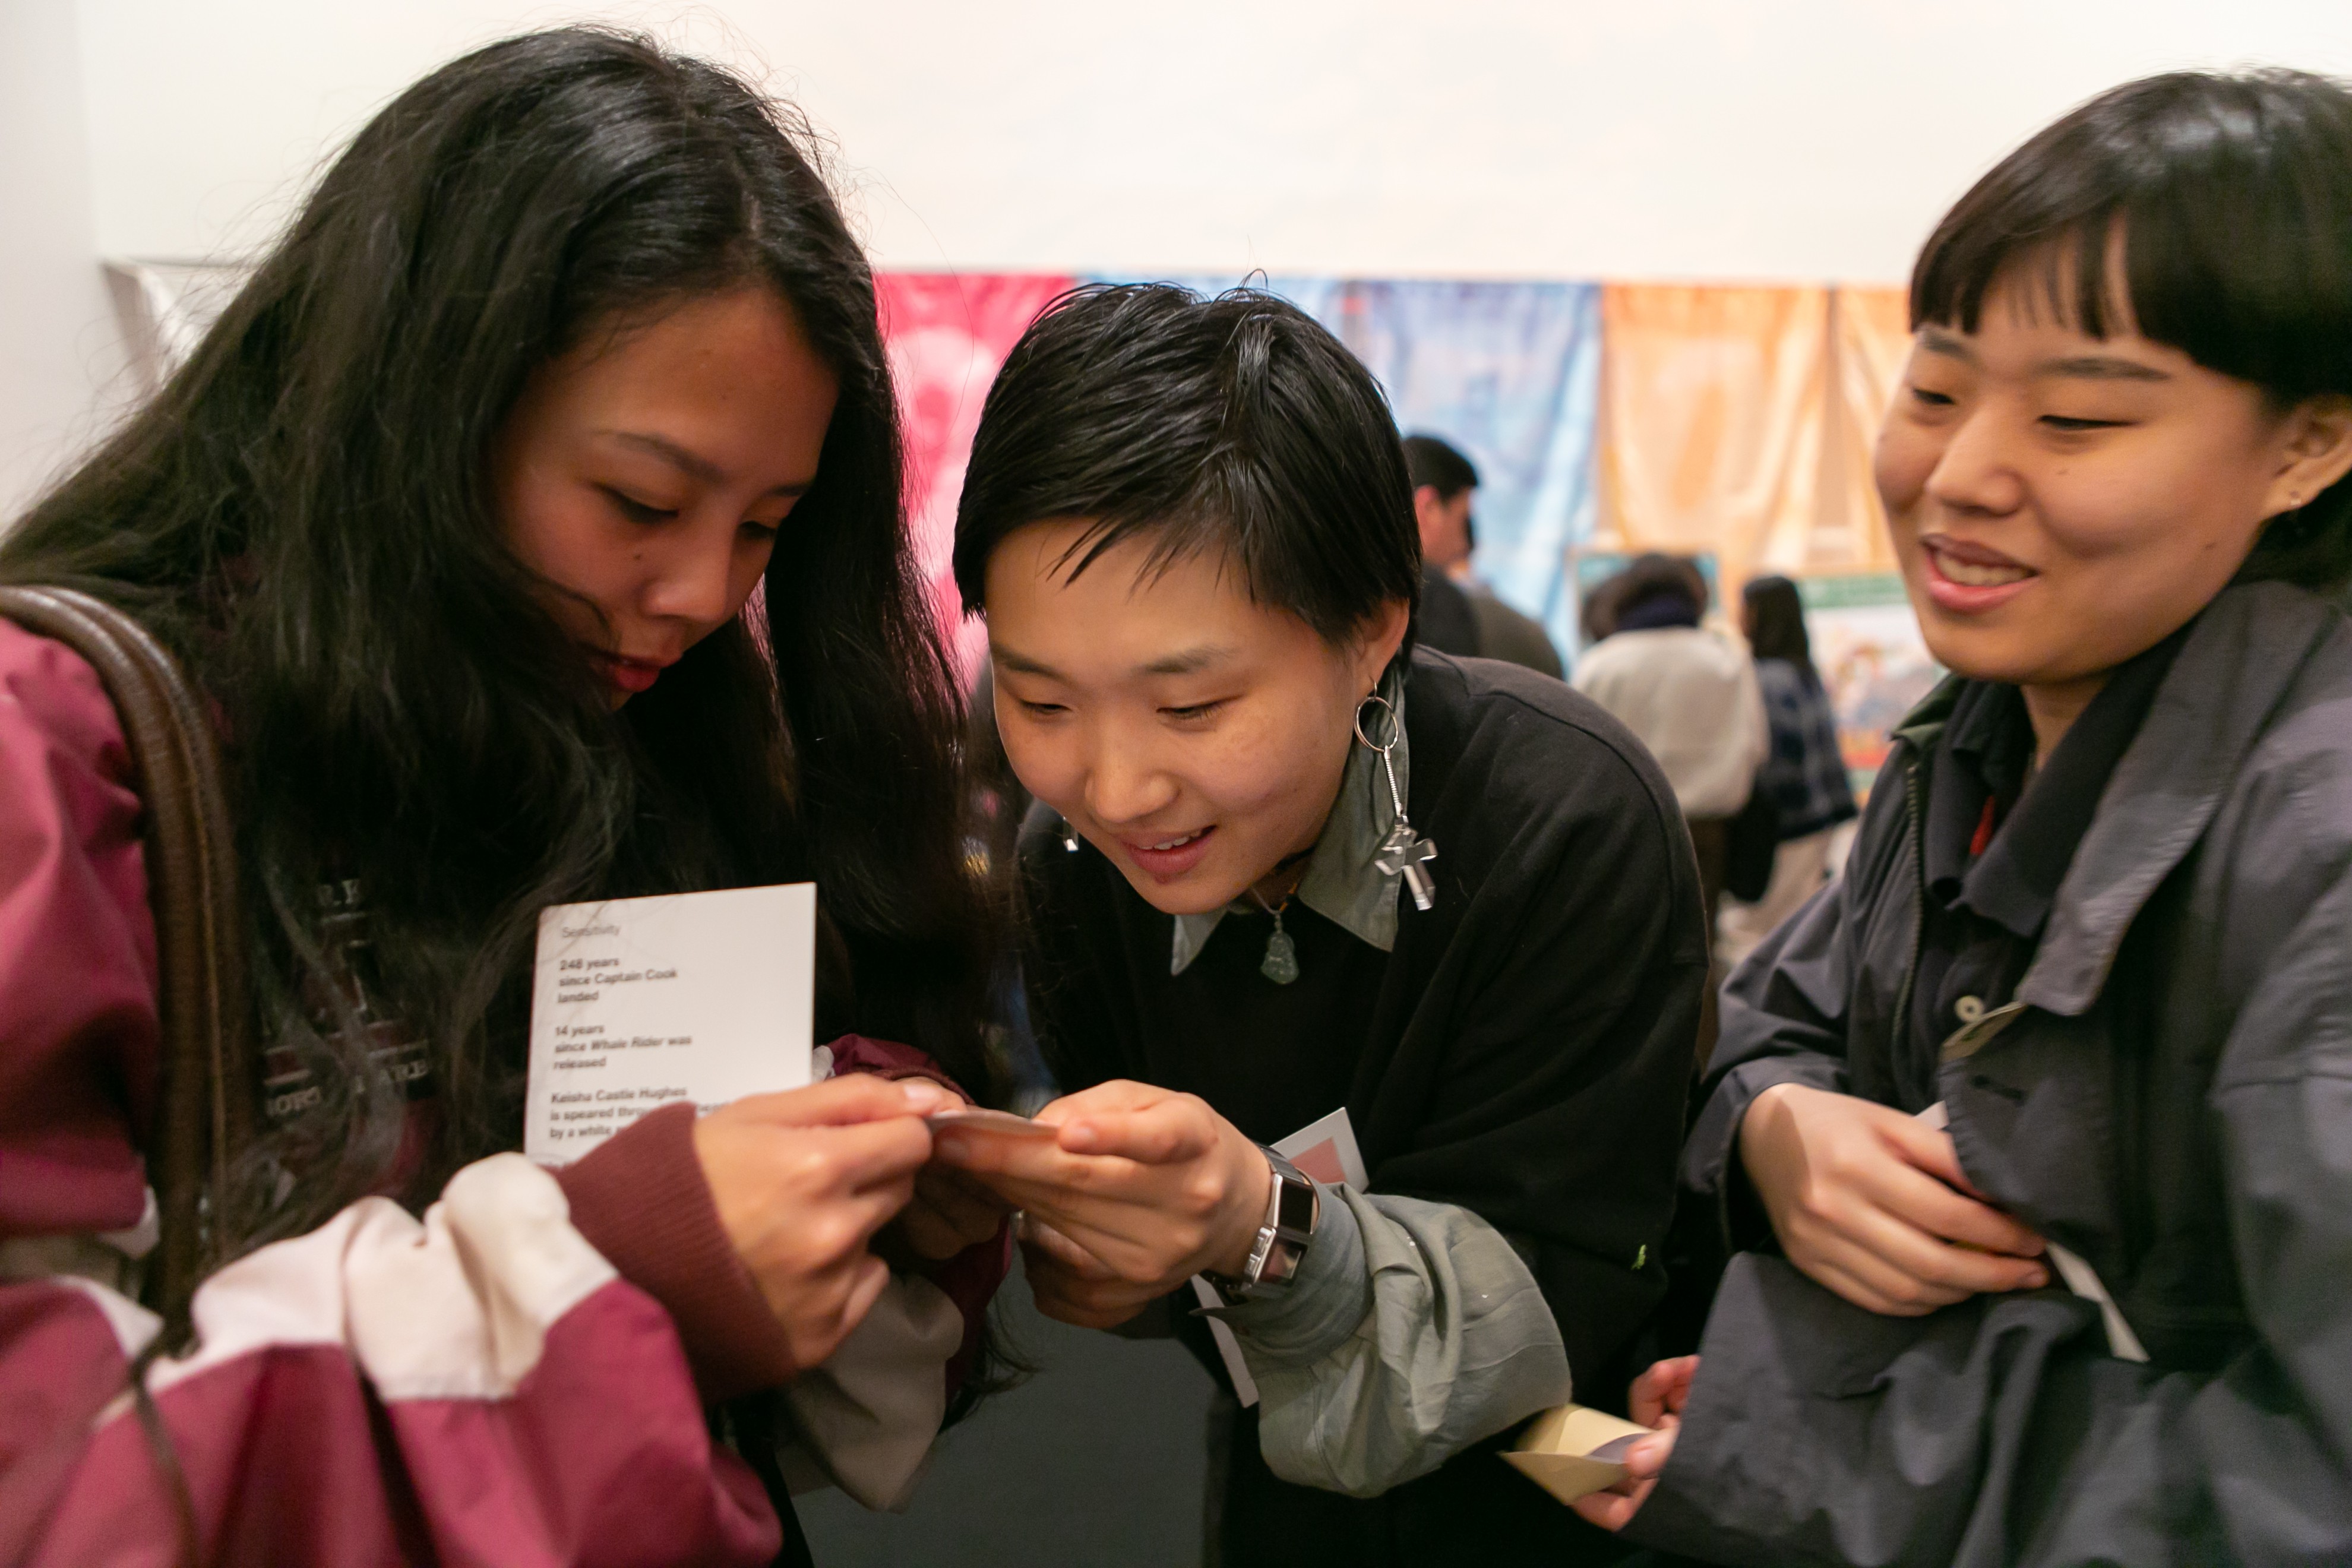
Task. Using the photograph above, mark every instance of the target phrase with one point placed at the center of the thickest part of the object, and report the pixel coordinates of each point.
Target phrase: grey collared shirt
(1342, 882)
(1414, 1328)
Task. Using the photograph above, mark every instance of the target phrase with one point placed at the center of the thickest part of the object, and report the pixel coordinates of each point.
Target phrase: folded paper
(1574, 1450)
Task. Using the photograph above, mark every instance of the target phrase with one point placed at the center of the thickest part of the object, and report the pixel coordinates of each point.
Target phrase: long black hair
(1775, 618)
(2232, 194)
(304, 513)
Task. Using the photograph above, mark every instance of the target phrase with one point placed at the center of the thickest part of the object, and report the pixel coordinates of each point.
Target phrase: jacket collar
(2242, 656)
(2240, 661)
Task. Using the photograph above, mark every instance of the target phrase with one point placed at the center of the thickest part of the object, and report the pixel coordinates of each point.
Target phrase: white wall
(59, 347)
(1766, 139)
(1713, 139)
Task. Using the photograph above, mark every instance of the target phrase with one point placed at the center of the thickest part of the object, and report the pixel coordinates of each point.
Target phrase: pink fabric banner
(947, 335)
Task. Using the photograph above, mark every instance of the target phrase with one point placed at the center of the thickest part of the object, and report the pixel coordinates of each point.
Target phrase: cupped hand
(801, 1181)
(1072, 1285)
(1143, 1188)
(1872, 1204)
(1657, 1400)
(949, 1211)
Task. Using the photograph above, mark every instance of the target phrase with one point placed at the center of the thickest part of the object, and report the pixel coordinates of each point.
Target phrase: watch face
(1298, 1209)
(1295, 1203)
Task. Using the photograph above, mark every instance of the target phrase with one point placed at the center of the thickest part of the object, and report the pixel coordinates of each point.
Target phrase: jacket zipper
(2128, 1061)
(1912, 814)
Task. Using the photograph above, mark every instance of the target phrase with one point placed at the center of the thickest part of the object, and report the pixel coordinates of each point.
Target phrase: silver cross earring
(1403, 852)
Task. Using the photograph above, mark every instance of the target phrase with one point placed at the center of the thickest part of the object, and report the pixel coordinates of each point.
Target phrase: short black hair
(1647, 577)
(1436, 463)
(1235, 424)
(2232, 196)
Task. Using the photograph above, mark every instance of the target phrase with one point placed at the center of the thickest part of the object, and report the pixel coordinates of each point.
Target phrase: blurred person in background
(1443, 482)
(1690, 694)
(1804, 773)
(1444, 489)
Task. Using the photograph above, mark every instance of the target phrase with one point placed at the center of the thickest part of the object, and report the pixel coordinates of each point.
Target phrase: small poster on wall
(1867, 646)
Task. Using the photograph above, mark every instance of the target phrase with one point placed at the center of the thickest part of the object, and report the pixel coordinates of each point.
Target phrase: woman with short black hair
(1286, 865)
(2045, 1107)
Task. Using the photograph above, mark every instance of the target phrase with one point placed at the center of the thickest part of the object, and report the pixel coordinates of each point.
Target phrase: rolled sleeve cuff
(1327, 1299)
(640, 1199)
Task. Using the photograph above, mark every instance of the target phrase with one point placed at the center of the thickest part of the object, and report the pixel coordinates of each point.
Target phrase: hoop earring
(1404, 853)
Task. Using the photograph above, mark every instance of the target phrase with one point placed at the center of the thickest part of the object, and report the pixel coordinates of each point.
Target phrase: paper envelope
(1574, 1450)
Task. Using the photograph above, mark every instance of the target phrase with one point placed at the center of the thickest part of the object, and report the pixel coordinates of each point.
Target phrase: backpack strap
(209, 1086)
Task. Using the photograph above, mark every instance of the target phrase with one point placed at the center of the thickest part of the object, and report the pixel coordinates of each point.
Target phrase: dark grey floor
(1097, 1460)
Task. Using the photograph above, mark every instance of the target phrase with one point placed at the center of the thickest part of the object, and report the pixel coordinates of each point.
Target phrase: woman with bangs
(2037, 1129)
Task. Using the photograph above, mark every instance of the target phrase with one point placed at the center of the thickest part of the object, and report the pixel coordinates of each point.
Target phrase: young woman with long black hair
(2038, 1126)
(1803, 772)
(1286, 864)
(533, 517)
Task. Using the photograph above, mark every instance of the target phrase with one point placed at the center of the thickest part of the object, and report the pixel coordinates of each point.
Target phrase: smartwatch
(1291, 1211)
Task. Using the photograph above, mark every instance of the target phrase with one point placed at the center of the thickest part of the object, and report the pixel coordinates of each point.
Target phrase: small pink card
(1002, 1123)
(1325, 1149)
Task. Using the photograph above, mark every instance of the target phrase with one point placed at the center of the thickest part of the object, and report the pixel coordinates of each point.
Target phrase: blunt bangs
(2230, 196)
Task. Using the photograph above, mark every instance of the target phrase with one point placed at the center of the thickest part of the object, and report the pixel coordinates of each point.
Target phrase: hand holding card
(801, 1181)
(636, 1003)
(1603, 1468)
(949, 1212)
(1152, 1185)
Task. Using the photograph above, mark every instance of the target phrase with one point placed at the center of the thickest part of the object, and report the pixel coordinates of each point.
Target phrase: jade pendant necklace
(1280, 963)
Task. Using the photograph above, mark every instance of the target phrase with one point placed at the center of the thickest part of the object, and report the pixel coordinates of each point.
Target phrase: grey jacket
(2170, 1096)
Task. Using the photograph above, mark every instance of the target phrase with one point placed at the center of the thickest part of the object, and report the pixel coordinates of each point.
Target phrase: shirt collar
(1989, 748)
(1341, 882)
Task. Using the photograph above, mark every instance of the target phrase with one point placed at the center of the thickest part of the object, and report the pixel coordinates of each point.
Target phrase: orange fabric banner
(1712, 408)
(1870, 336)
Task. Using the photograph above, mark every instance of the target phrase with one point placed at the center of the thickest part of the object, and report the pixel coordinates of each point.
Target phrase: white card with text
(639, 1001)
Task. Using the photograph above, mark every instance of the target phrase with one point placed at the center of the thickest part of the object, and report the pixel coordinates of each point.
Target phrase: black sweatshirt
(1524, 1052)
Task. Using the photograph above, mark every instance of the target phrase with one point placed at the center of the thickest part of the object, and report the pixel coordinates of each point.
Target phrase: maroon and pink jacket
(518, 1378)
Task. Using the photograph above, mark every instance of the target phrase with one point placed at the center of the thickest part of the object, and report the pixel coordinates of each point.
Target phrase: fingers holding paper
(1072, 1285)
(1657, 1399)
(949, 1211)
(1151, 1185)
(1663, 1390)
(801, 1181)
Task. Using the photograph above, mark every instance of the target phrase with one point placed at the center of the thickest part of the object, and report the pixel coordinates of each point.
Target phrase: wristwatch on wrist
(1292, 1208)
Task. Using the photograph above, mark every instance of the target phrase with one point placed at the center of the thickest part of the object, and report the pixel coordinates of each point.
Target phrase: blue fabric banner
(1510, 373)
